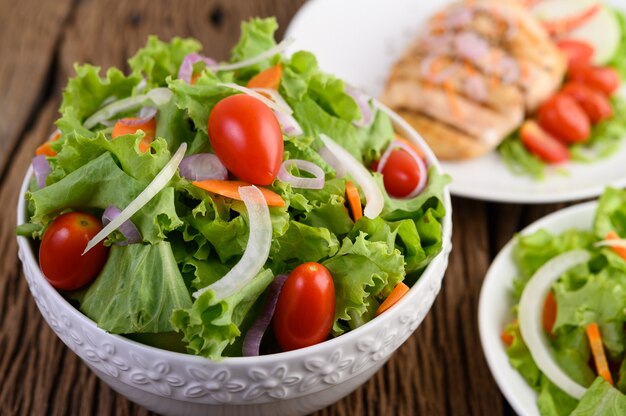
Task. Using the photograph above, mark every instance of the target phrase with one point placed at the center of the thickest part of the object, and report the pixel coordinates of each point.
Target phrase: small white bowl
(290, 383)
(496, 301)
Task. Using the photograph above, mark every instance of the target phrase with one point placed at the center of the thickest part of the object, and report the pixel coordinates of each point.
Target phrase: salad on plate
(568, 341)
(233, 208)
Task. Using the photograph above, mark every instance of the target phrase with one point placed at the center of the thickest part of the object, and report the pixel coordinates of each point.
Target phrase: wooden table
(439, 370)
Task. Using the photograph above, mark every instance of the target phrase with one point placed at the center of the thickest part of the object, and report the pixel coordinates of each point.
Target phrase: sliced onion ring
(330, 158)
(255, 59)
(611, 243)
(156, 96)
(42, 169)
(252, 340)
(159, 182)
(288, 123)
(257, 249)
(202, 166)
(373, 196)
(252, 93)
(421, 166)
(186, 67)
(145, 115)
(128, 228)
(362, 101)
(530, 318)
(305, 183)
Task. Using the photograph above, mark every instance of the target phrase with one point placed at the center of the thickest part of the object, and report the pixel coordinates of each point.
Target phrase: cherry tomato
(563, 117)
(576, 51)
(596, 105)
(62, 245)
(306, 307)
(400, 174)
(246, 136)
(602, 79)
(542, 144)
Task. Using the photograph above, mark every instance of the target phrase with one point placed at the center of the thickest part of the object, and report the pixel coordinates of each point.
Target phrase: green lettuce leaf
(137, 291)
(519, 160)
(553, 401)
(257, 36)
(601, 399)
(618, 61)
(611, 213)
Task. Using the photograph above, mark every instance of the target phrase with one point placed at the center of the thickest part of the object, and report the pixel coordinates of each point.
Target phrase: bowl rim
(429, 273)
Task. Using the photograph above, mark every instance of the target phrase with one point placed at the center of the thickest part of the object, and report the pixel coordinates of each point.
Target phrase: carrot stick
(396, 294)
(149, 128)
(230, 189)
(45, 148)
(506, 338)
(269, 78)
(549, 313)
(194, 78)
(354, 200)
(557, 27)
(620, 251)
(595, 342)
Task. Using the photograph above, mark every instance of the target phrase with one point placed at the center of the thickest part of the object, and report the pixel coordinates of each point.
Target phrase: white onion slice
(611, 243)
(145, 115)
(257, 249)
(42, 169)
(362, 101)
(186, 67)
(330, 158)
(203, 166)
(128, 228)
(305, 183)
(255, 59)
(421, 166)
(374, 200)
(158, 97)
(530, 318)
(288, 123)
(158, 183)
(252, 93)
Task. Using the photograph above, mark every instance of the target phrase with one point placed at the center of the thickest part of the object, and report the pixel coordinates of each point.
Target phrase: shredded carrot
(194, 78)
(354, 200)
(149, 129)
(506, 338)
(549, 313)
(45, 148)
(595, 342)
(230, 189)
(412, 145)
(452, 99)
(269, 78)
(620, 251)
(565, 25)
(396, 294)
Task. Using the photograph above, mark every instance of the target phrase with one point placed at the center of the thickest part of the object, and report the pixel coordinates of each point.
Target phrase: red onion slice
(426, 69)
(423, 172)
(186, 67)
(42, 169)
(128, 229)
(330, 158)
(362, 101)
(471, 46)
(305, 183)
(202, 166)
(288, 123)
(145, 115)
(252, 340)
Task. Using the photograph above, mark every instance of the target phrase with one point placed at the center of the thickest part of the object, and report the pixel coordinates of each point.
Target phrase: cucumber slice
(602, 31)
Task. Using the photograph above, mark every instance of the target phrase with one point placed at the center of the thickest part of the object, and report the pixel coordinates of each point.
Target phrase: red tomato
(602, 79)
(540, 143)
(400, 174)
(565, 119)
(576, 51)
(306, 307)
(596, 105)
(62, 245)
(246, 136)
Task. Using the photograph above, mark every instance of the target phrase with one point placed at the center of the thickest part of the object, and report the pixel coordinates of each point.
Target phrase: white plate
(359, 40)
(494, 308)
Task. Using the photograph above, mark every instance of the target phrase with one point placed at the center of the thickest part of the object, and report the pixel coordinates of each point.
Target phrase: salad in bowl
(231, 209)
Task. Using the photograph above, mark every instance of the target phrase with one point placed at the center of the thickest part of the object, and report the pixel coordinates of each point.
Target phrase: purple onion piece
(42, 169)
(362, 101)
(128, 229)
(186, 67)
(252, 341)
(297, 182)
(202, 166)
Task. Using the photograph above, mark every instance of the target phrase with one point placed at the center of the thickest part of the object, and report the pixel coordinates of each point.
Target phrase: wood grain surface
(440, 370)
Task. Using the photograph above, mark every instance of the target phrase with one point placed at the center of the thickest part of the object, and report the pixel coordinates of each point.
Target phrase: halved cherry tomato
(62, 245)
(246, 136)
(565, 119)
(542, 144)
(149, 128)
(577, 52)
(306, 307)
(604, 79)
(400, 174)
(596, 105)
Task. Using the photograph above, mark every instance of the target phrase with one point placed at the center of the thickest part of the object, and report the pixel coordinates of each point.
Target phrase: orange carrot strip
(452, 100)
(595, 342)
(557, 27)
(149, 128)
(549, 313)
(620, 251)
(230, 189)
(194, 78)
(45, 148)
(269, 78)
(506, 338)
(354, 200)
(396, 294)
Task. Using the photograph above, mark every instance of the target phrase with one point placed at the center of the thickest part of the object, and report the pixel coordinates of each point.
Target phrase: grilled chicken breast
(471, 76)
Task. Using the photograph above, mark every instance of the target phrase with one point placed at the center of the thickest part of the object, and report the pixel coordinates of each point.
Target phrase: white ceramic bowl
(496, 301)
(295, 382)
